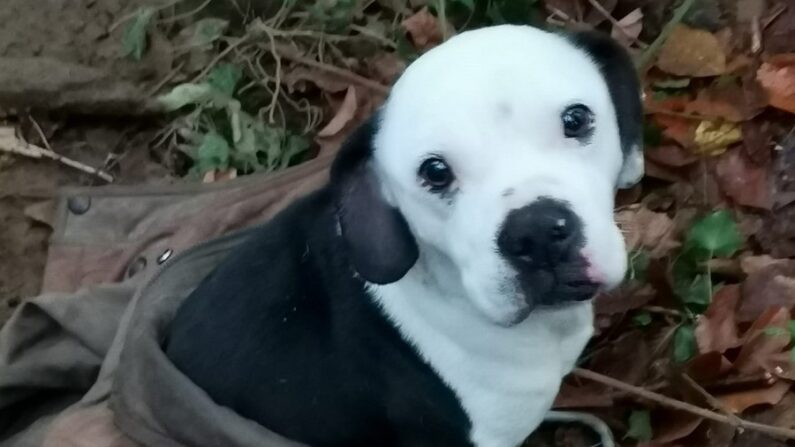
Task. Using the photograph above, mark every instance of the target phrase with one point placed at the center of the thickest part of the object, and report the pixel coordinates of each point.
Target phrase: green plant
(220, 135)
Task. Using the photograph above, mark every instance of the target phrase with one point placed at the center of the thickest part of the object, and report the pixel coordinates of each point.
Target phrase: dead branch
(778, 432)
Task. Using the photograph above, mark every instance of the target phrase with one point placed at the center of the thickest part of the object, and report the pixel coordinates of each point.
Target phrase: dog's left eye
(436, 174)
(577, 121)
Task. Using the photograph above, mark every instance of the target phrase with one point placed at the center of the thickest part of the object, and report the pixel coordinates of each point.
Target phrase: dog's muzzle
(543, 241)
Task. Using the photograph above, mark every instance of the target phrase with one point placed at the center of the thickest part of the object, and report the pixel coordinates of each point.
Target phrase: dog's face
(497, 156)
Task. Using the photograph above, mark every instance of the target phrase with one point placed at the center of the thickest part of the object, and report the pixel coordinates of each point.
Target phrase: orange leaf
(424, 29)
(716, 329)
(692, 52)
(769, 335)
(743, 181)
(740, 401)
(344, 114)
(777, 77)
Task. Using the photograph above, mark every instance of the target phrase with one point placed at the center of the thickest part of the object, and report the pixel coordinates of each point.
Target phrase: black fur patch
(284, 334)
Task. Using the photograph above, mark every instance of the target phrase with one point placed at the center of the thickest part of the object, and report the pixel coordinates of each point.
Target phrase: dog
(438, 289)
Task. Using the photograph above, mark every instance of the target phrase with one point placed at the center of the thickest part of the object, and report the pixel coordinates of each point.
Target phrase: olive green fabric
(81, 365)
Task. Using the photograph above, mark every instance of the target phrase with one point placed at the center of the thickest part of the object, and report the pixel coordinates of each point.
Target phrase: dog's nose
(541, 234)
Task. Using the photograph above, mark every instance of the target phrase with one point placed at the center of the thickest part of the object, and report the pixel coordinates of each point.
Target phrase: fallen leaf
(594, 17)
(624, 299)
(611, 358)
(328, 82)
(217, 175)
(133, 40)
(716, 329)
(670, 155)
(731, 101)
(684, 343)
(645, 229)
(692, 52)
(714, 137)
(582, 396)
(743, 181)
(742, 400)
(708, 366)
(779, 37)
(670, 426)
(628, 28)
(771, 286)
(754, 264)
(386, 67)
(366, 103)
(680, 130)
(756, 140)
(424, 29)
(777, 77)
(715, 234)
(767, 336)
(344, 114)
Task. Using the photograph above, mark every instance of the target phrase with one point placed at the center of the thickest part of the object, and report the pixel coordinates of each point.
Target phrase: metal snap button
(136, 266)
(79, 204)
(165, 256)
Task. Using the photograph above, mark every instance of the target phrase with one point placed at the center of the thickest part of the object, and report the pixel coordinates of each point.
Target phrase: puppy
(437, 290)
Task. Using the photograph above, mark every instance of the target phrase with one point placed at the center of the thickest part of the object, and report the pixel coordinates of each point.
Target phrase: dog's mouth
(558, 285)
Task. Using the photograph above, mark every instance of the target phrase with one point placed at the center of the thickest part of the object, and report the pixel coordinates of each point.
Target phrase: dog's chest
(505, 378)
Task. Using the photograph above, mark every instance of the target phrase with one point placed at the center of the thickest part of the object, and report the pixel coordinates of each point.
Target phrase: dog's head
(495, 162)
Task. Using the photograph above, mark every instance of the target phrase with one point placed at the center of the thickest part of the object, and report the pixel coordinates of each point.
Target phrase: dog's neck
(502, 375)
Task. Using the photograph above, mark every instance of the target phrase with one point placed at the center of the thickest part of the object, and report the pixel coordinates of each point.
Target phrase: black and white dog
(438, 289)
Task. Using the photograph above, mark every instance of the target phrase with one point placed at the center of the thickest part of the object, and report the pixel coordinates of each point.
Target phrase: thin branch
(219, 57)
(41, 133)
(341, 72)
(779, 432)
(10, 143)
(185, 15)
(715, 403)
(650, 52)
(606, 14)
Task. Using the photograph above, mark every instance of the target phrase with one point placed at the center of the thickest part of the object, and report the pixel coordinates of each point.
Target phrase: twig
(219, 57)
(9, 142)
(341, 72)
(364, 31)
(779, 432)
(663, 311)
(780, 8)
(160, 84)
(41, 133)
(133, 14)
(185, 15)
(651, 51)
(715, 403)
(278, 81)
(606, 14)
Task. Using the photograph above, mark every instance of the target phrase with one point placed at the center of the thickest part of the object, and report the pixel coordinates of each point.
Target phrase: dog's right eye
(436, 174)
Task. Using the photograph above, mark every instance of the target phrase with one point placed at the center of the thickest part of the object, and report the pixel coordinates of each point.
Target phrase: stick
(10, 143)
(606, 14)
(716, 404)
(666, 401)
(341, 72)
(651, 51)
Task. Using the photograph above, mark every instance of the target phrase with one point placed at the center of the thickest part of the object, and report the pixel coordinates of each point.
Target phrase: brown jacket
(81, 364)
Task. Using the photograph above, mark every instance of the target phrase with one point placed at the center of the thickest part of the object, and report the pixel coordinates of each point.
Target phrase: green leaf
(684, 343)
(133, 40)
(716, 234)
(639, 426)
(186, 94)
(698, 292)
(642, 319)
(213, 152)
(207, 31)
(225, 78)
(791, 327)
(792, 355)
(293, 146)
(638, 265)
(775, 331)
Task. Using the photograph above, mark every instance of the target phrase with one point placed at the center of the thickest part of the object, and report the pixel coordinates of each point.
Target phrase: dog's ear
(377, 237)
(622, 81)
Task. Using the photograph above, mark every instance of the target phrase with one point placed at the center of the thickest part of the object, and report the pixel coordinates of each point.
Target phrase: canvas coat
(81, 364)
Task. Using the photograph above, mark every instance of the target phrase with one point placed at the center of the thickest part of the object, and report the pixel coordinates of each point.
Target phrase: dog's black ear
(622, 81)
(378, 239)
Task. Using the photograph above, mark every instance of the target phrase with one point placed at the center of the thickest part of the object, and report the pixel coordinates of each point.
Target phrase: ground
(151, 91)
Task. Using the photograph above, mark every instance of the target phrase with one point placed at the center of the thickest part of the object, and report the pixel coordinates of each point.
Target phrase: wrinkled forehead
(505, 74)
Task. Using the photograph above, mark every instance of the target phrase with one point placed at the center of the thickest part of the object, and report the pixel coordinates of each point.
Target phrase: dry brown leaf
(582, 396)
(680, 130)
(743, 181)
(670, 155)
(344, 114)
(631, 25)
(708, 366)
(742, 400)
(670, 426)
(424, 29)
(755, 264)
(716, 329)
(692, 52)
(768, 336)
(645, 229)
(328, 82)
(386, 67)
(777, 77)
(771, 286)
(714, 137)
